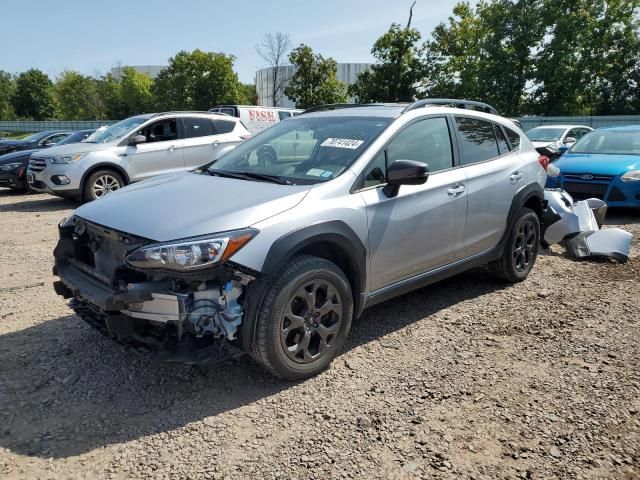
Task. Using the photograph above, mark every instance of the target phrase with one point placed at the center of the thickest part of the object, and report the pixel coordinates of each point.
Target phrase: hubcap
(524, 245)
(311, 321)
(105, 184)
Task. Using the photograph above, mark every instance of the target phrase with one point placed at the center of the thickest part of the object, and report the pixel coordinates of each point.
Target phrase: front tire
(521, 249)
(101, 183)
(304, 320)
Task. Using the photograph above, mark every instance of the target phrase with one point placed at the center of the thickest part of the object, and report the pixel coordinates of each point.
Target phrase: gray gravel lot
(468, 378)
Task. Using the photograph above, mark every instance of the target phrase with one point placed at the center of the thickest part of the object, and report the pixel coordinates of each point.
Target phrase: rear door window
(477, 140)
(197, 127)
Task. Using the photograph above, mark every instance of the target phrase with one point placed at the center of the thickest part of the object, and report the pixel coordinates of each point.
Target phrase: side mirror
(563, 148)
(47, 143)
(569, 140)
(405, 172)
(136, 139)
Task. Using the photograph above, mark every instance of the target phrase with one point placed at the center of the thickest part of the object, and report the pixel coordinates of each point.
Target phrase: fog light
(60, 180)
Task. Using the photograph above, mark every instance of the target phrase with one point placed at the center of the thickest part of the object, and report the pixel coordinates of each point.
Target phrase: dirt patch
(468, 378)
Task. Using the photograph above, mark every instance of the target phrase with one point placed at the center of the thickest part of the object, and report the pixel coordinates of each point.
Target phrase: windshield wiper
(251, 176)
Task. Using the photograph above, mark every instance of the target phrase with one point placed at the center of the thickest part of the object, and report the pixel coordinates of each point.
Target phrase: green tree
(589, 57)
(110, 92)
(136, 91)
(34, 96)
(7, 91)
(399, 70)
(78, 97)
(249, 94)
(196, 81)
(314, 81)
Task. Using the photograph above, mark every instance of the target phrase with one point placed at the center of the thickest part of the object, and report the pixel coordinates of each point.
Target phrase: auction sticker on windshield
(349, 143)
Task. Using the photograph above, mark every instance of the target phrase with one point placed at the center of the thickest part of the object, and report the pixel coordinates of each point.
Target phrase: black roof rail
(452, 102)
(337, 106)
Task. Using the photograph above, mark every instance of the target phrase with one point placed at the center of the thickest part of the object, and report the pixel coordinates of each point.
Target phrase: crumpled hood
(597, 164)
(70, 148)
(182, 205)
(18, 156)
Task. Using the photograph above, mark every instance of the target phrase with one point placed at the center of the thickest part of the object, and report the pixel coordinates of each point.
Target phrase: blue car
(603, 164)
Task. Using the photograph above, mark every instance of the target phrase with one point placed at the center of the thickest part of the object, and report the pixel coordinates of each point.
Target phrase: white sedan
(557, 136)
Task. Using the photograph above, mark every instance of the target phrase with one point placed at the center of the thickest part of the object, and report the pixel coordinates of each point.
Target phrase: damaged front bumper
(191, 318)
(577, 225)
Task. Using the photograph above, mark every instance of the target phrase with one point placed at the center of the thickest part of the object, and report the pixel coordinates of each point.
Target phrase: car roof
(560, 126)
(370, 111)
(194, 114)
(623, 128)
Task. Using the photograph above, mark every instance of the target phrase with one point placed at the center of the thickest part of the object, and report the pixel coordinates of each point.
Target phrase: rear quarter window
(223, 126)
(514, 138)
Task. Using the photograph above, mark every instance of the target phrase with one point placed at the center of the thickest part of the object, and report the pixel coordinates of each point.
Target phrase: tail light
(544, 161)
(21, 173)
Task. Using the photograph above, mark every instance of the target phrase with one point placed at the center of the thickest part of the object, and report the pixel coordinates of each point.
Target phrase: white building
(347, 73)
(151, 70)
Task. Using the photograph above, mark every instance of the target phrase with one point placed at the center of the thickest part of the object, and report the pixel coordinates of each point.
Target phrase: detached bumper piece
(577, 225)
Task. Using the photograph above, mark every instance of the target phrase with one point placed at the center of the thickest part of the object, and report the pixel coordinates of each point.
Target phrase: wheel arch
(334, 241)
(103, 166)
(531, 196)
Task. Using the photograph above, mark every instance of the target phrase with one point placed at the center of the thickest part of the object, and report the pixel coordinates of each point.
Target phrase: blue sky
(92, 36)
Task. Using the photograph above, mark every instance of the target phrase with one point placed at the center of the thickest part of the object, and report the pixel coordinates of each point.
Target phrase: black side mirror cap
(136, 139)
(405, 172)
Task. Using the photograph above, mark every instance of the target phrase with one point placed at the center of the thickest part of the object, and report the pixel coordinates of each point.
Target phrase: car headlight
(631, 176)
(62, 159)
(553, 171)
(191, 253)
(10, 166)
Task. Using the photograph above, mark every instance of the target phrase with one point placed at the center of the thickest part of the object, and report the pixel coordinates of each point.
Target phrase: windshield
(75, 137)
(609, 142)
(303, 150)
(545, 134)
(115, 131)
(34, 137)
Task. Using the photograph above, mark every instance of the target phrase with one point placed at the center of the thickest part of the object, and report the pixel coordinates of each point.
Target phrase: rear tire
(304, 320)
(101, 183)
(521, 249)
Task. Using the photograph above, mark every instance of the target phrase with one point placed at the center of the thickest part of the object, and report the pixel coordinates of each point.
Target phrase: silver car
(132, 150)
(276, 254)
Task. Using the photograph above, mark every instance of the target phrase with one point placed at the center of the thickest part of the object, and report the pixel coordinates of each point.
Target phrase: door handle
(172, 147)
(214, 144)
(516, 177)
(456, 190)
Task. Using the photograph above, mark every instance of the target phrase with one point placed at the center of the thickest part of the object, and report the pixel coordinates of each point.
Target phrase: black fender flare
(334, 233)
(521, 198)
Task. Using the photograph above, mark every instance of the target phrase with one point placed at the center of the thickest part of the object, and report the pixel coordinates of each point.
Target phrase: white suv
(132, 150)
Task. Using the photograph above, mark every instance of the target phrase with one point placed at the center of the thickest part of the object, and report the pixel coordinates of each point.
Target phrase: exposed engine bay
(159, 311)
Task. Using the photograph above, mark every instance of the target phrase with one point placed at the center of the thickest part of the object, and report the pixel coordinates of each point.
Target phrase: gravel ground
(468, 378)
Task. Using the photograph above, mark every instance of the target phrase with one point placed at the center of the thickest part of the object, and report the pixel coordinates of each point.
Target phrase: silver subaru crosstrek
(132, 150)
(275, 254)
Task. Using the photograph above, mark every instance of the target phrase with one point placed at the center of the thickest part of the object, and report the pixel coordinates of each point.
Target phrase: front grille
(37, 164)
(582, 191)
(588, 177)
